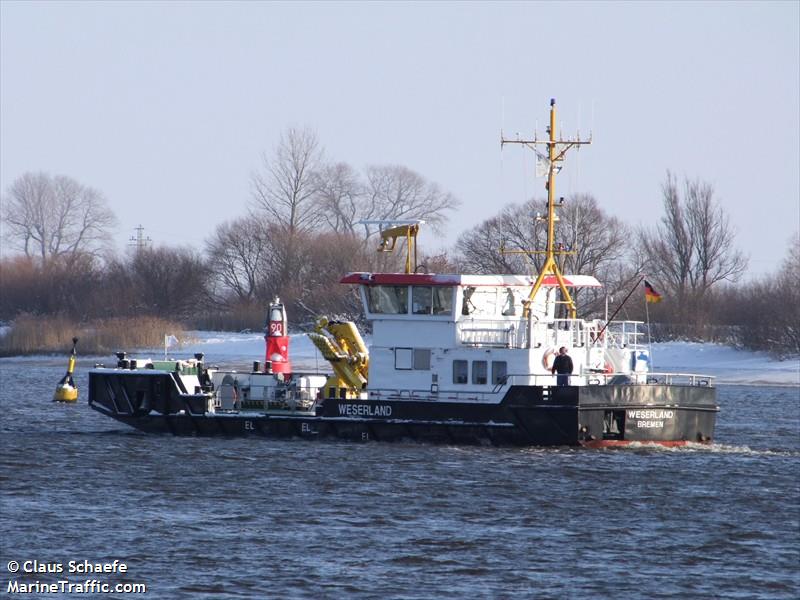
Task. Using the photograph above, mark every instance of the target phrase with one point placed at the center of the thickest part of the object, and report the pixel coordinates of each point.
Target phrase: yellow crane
(342, 346)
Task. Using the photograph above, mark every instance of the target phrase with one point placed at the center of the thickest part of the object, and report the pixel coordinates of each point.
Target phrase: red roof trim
(401, 279)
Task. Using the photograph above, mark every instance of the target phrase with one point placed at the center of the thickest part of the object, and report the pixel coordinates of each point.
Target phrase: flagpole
(649, 343)
(608, 321)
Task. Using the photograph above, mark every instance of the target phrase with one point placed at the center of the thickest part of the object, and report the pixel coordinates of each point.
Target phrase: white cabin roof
(465, 280)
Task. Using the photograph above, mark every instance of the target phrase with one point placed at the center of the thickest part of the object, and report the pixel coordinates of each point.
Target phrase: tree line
(310, 219)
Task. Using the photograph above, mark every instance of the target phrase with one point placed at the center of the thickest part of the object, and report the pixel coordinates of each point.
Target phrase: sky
(167, 108)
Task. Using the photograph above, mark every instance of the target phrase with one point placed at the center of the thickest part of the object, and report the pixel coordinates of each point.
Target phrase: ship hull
(601, 415)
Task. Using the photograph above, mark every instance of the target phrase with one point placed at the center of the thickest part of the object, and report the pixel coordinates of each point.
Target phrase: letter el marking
(248, 425)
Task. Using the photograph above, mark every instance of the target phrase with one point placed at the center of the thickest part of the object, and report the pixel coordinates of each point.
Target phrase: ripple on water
(236, 518)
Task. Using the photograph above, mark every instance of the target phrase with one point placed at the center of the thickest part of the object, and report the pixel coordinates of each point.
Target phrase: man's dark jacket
(563, 364)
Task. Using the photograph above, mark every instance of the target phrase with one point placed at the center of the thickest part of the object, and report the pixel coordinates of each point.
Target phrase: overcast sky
(167, 107)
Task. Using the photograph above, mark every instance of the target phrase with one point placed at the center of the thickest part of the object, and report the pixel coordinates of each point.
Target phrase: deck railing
(543, 380)
(531, 333)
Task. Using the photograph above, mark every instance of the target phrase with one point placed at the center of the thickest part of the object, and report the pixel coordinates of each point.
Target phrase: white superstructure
(468, 336)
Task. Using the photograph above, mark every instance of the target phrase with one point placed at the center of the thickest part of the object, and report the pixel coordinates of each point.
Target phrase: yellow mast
(556, 149)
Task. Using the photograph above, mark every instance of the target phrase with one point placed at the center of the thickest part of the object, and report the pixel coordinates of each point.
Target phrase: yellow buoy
(66, 391)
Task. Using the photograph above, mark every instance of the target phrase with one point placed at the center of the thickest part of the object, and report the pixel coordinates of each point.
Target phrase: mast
(556, 150)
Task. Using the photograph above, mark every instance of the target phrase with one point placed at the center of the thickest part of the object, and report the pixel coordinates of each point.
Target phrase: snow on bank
(241, 349)
(728, 365)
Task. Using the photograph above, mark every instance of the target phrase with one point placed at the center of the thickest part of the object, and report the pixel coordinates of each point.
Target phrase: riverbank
(730, 366)
(36, 335)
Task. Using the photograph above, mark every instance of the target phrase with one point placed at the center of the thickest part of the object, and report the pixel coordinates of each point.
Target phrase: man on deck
(563, 366)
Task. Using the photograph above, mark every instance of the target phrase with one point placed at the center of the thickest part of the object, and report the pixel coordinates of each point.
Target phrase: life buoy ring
(548, 358)
(608, 368)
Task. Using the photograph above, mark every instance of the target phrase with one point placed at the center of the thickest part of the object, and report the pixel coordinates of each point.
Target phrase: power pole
(556, 150)
(139, 241)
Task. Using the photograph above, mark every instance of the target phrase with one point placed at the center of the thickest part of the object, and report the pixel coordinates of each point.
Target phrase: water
(237, 518)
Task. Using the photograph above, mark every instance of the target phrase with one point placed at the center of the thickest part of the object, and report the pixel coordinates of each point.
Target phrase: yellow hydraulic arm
(342, 346)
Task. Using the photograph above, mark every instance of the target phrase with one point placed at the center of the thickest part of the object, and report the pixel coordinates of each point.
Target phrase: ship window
(422, 359)
(479, 372)
(442, 300)
(499, 371)
(436, 300)
(403, 358)
(421, 301)
(387, 299)
(460, 371)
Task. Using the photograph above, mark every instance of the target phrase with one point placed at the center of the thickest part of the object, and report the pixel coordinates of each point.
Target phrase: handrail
(544, 380)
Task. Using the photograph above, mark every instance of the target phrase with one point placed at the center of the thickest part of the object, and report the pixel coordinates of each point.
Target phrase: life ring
(546, 362)
(608, 368)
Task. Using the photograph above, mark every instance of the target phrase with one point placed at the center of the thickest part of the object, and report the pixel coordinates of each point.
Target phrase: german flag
(650, 293)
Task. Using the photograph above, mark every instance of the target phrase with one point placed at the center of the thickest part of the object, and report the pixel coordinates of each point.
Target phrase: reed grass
(31, 334)
(237, 318)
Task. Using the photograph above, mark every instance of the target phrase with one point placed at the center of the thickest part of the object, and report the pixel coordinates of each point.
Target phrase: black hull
(527, 416)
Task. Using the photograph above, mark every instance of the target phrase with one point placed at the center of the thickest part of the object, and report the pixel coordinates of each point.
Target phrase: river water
(246, 518)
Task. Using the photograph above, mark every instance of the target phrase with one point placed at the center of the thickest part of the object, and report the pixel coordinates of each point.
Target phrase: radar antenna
(391, 230)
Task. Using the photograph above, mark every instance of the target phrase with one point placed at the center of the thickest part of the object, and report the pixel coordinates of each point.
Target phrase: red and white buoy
(277, 338)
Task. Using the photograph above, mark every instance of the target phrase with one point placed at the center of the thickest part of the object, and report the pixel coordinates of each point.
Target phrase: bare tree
(691, 249)
(285, 188)
(396, 192)
(594, 240)
(787, 289)
(165, 281)
(237, 257)
(340, 196)
(56, 216)
(479, 249)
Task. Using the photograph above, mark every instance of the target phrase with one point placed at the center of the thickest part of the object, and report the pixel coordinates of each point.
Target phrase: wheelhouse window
(479, 372)
(431, 300)
(499, 371)
(387, 299)
(443, 300)
(421, 300)
(460, 371)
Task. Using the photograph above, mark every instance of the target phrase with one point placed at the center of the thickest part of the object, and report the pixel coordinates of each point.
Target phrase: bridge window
(421, 300)
(460, 371)
(387, 299)
(499, 371)
(435, 300)
(479, 372)
(442, 300)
